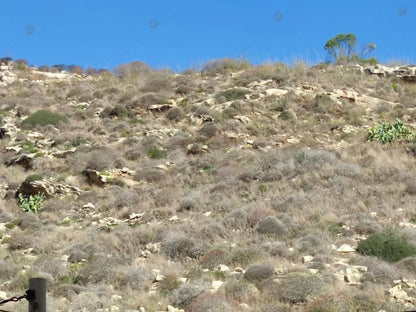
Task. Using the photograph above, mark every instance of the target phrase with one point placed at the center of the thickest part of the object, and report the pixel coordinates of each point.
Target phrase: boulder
(24, 160)
(48, 188)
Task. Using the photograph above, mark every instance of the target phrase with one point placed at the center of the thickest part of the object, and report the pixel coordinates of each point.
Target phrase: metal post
(37, 303)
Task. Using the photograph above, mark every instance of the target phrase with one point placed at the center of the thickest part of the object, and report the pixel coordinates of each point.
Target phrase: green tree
(341, 47)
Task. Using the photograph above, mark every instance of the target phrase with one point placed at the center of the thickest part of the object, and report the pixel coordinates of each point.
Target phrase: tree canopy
(341, 48)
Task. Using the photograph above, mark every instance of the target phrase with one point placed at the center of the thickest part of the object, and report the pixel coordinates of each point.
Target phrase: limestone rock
(24, 160)
(276, 92)
(159, 107)
(397, 292)
(48, 188)
(346, 249)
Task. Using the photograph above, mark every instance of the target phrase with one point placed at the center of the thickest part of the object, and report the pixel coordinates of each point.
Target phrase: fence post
(39, 287)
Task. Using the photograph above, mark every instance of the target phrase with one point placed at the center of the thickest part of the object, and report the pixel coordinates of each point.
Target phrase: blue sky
(184, 34)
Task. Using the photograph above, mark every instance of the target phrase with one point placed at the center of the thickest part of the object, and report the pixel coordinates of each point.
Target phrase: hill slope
(214, 191)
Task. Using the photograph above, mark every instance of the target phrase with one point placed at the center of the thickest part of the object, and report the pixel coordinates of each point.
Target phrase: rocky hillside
(239, 188)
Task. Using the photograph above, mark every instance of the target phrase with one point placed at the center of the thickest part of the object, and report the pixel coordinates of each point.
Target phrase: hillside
(239, 188)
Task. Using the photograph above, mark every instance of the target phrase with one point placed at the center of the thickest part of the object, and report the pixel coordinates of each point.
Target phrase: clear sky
(184, 34)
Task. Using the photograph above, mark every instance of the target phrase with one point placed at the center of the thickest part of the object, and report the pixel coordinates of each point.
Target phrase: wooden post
(36, 295)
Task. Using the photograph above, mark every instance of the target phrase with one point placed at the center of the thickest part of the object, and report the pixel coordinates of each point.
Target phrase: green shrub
(31, 203)
(231, 94)
(155, 153)
(43, 118)
(29, 147)
(33, 178)
(389, 246)
(387, 132)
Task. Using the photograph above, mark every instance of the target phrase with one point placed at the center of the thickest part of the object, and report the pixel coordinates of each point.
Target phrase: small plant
(395, 86)
(387, 132)
(231, 94)
(29, 147)
(31, 203)
(389, 246)
(43, 118)
(155, 153)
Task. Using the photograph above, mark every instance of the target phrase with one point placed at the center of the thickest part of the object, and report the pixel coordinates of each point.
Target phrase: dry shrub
(299, 287)
(92, 299)
(311, 243)
(379, 271)
(214, 257)
(278, 72)
(184, 294)
(99, 268)
(29, 221)
(236, 219)
(367, 227)
(258, 273)
(174, 114)
(68, 291)
(102, 158)
(179, 140)
(151, 175)
(187, 204)
(132, 69)
(330, 302)
(212, 231)
(224, 66)
(52, 265)
(177, 245)
(8, 270)
(147, 99)
(80, 252)
(208, 130)
(20, 240)
(129, 241)
(158, 85)
(276, 249)
(271, 225)
(134, 277)
(169, 283)
(408, 264)
(118, 197)
(209, 302)
(239, 290)
(258, 214)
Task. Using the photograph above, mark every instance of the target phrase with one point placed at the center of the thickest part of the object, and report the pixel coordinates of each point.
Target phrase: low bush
(44, 117)
(389, 246)
(209, 302)
(135, 277)
(330, 302)
(408, 264)
(214, 257)
(239, 290)
(299, 287)
(185, 293)
(231, 94)
(258, 273)
(224, 65)
(155, 153)
(177, 244)
(271, 225)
